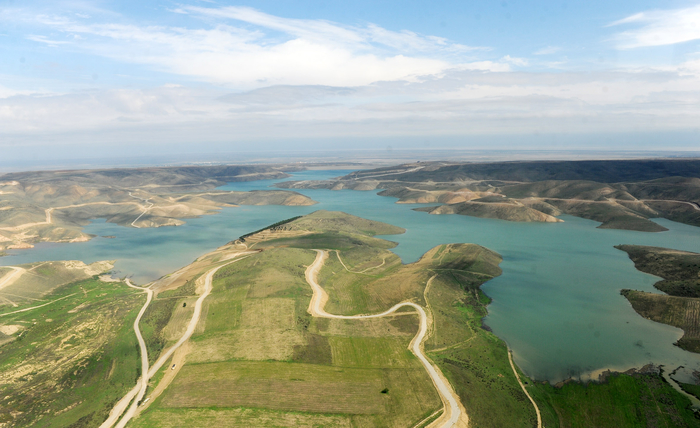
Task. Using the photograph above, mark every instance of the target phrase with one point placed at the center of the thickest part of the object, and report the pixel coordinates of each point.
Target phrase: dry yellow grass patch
(269, 282)
(399, 325)
(178, 321)
(266, 331)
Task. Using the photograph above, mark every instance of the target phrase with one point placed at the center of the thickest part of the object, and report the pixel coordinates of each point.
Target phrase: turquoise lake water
(557, 304)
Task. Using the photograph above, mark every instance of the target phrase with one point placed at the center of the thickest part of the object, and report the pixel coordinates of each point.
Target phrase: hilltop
(53, 206)
(618, 194)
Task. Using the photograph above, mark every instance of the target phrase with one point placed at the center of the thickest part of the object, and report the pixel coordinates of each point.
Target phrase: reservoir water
(557, 304)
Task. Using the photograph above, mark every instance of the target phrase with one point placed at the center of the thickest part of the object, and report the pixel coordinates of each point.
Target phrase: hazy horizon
(98, 78)
(352, 159)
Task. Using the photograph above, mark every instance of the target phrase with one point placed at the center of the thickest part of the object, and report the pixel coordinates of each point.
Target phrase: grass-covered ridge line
(272, 226)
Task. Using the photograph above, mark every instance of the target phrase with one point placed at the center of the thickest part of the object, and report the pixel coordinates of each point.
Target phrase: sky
(82, 78)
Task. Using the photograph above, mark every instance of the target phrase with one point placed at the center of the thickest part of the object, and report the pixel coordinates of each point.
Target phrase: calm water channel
(557, 303)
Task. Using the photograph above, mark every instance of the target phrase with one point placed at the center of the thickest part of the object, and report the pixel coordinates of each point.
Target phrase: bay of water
(557, 304)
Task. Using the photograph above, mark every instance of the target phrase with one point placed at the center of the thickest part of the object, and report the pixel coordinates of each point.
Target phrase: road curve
(140, 388)
(537, 409)
(316, 308)
(692, 204)
(145, 209)
(144, 354)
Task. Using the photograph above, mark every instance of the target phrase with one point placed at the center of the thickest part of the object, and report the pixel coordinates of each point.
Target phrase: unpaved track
(40, 306)
(362, 271)
(11, 277)
(390, 173)
(453, 414)
(145, 209)
(139, 389)
(515, 372)
(692, 204)
(144, 350)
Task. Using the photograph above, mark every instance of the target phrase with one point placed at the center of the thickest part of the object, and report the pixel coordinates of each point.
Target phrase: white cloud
(515, 61)
(323, 31)
(659, 28)
(547, 50)
(466, 102)
(276, 51)
(43, 39)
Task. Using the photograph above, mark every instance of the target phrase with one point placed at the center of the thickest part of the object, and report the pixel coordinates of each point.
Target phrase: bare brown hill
(54, 206)
(641, 189)
(506, 210)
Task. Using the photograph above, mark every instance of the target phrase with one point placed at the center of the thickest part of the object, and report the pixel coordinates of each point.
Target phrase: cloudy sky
(81, 78)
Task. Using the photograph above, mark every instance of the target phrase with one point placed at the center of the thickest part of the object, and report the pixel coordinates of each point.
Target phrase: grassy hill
(258, 358)
(66, 357)
(261, 359)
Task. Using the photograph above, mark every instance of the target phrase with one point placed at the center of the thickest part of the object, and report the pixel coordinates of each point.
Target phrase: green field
(72, 359)
(258, 348)
(623, 400)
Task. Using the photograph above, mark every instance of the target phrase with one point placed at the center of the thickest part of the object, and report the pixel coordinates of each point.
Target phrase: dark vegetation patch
(630, 222)
(682, 213)
(329, 240)
(272, 226)
(316, 351)
(152, 324)
(681, 312)
(623, 400)
(405, 324)
(680, 269)
(691, 389)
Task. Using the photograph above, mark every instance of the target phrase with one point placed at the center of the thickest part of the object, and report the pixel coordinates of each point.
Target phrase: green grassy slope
(70, 360)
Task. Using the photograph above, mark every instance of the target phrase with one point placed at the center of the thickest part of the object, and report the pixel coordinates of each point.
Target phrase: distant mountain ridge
(603, 171)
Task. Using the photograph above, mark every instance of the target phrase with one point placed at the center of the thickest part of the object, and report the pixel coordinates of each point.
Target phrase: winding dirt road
(35, 307)
(140, 388)
(692, 204)
(145, 209)
(362, 271)
(454, 414)
(537, 409)
(144, 352)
